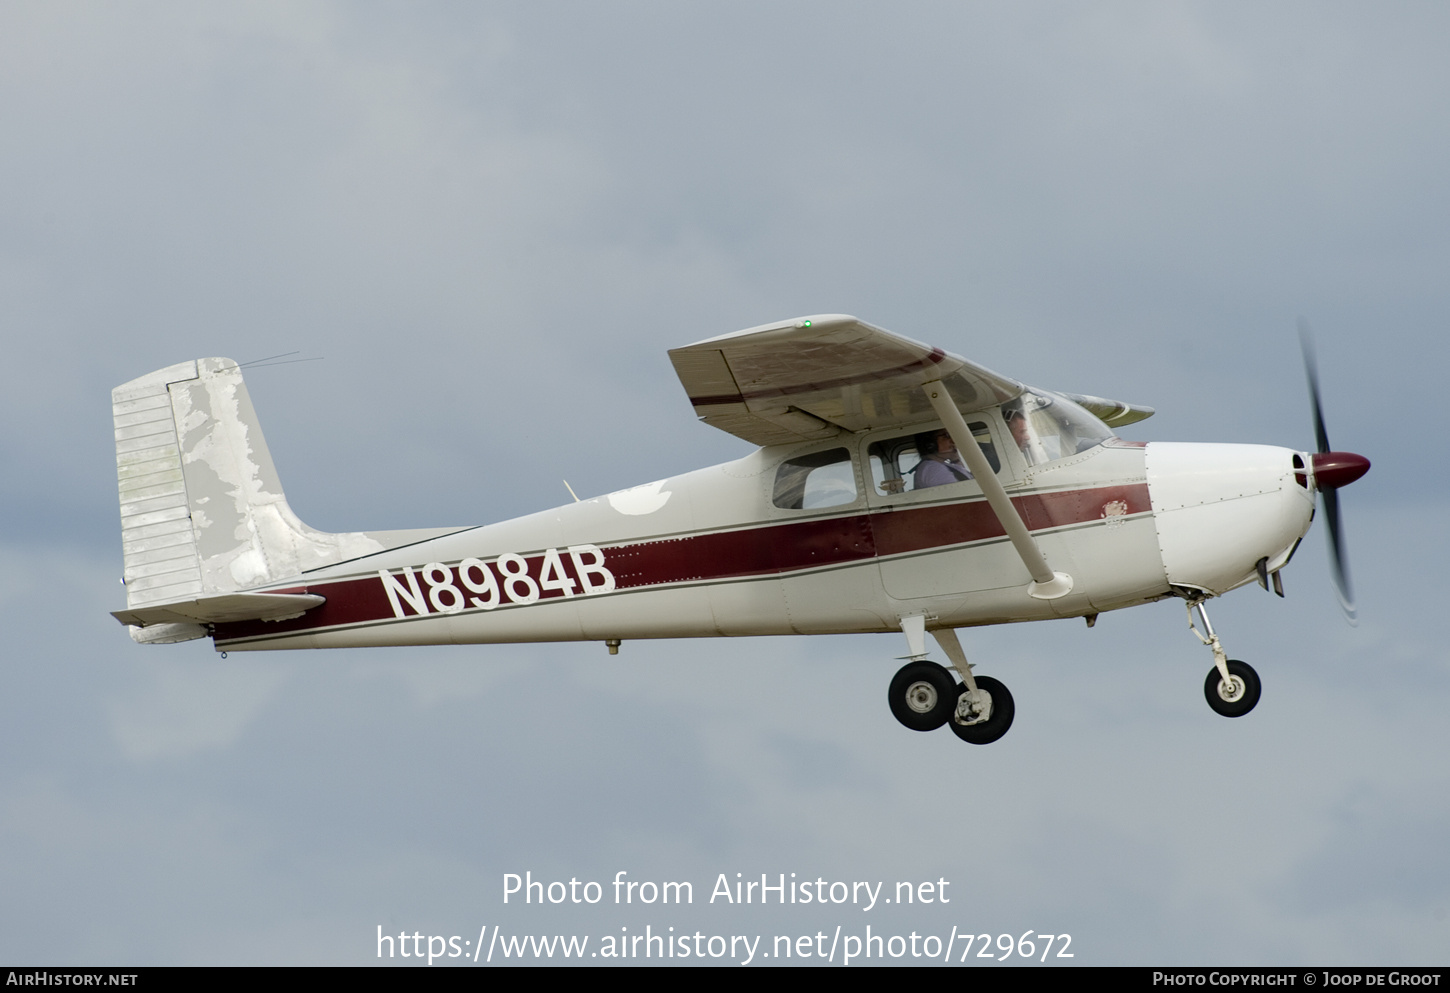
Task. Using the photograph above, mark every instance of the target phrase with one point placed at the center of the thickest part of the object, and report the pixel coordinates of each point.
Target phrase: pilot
(939, 463)
(1036, 448)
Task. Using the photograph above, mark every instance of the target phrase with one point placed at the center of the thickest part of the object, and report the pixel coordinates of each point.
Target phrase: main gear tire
(997, 724)
(923, 696)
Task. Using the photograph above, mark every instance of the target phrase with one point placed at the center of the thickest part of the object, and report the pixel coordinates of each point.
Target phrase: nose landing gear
(1235, 696)
(1232, 687)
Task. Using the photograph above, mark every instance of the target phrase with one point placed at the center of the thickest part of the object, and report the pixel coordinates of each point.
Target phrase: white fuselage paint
(1219, 509)
(1216, 510)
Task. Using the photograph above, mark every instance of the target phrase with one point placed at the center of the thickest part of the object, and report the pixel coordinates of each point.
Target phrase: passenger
(939, 463)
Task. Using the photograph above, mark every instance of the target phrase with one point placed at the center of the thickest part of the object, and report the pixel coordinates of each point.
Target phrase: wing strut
(1046, 584)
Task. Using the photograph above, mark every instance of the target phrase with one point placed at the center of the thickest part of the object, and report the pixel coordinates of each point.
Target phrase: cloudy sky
(487, 223)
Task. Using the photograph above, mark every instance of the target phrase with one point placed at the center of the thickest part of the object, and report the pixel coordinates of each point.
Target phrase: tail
(203, 516)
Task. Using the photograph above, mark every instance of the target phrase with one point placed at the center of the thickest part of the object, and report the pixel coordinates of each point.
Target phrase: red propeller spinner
(1335, 469)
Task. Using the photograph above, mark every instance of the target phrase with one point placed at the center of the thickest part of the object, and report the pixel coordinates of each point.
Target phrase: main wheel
(1003, 710)
(1236, 697)
(923, 695)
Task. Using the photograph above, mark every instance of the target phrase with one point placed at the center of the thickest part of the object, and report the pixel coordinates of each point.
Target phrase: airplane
(897, 487)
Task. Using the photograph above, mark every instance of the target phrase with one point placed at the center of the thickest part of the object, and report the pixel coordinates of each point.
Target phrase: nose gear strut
(1232, 688)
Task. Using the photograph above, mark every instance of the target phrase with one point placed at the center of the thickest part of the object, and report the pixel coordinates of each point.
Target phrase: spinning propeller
(1331, 471)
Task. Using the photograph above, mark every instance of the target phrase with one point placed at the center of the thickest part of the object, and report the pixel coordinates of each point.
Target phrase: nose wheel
(1232, 687)
(1236, 695)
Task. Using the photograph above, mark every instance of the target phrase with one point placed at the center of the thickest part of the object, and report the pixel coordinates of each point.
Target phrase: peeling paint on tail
(202, 508)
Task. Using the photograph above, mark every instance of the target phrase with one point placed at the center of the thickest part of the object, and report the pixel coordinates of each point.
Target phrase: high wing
(811, 378)
(1113, 413)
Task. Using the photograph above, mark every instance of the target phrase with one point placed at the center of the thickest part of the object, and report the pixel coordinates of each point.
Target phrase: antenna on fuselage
(272, 360)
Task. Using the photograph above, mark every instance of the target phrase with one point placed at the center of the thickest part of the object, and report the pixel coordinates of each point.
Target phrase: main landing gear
(1232, 687)
(924, 695)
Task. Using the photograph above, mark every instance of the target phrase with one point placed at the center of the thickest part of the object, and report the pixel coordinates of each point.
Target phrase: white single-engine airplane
(899, 488)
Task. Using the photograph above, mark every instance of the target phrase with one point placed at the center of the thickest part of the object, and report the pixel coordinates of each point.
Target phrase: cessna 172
(899, 487)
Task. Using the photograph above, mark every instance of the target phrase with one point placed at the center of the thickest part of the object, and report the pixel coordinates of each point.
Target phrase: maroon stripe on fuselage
(733, 554)
(348, 601)
(773, 549)
(956, 524)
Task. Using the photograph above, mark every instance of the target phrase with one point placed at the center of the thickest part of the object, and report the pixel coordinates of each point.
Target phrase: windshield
(1047, 427)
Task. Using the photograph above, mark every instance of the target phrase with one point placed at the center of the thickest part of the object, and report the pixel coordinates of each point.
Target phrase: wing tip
(790, 324)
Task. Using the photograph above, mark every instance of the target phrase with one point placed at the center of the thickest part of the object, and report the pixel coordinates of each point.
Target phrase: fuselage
(749, 548)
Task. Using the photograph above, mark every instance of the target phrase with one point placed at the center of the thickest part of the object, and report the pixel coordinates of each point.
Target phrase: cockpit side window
(897, 463)
(815, 481)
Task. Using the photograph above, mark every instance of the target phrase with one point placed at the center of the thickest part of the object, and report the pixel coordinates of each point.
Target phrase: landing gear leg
(1232, 687)
(922, 693)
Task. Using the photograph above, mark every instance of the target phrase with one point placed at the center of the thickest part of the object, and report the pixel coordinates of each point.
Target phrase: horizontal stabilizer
(222, 609)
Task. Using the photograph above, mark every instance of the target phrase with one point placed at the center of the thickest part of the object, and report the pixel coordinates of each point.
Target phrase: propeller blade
(1311, 372)
(1337, 560)
(1340, 469)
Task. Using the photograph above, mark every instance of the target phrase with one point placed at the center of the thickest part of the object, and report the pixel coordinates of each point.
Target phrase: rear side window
(811, 482)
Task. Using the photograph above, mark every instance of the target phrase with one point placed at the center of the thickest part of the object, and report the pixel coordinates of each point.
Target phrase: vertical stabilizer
(202, 510)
